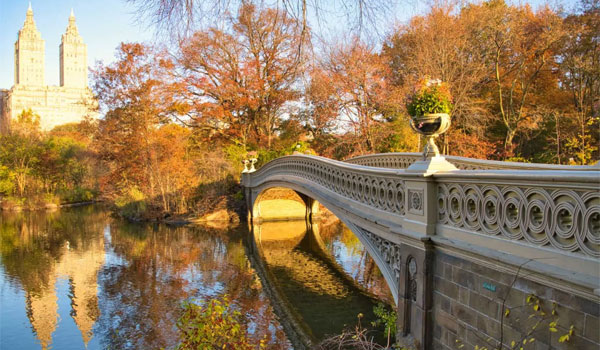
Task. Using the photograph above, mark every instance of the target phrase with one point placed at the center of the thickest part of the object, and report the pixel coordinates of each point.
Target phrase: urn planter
(431, 125)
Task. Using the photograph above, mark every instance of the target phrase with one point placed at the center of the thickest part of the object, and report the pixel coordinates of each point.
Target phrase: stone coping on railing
(403, 160)
(535, 176)
(336, 163)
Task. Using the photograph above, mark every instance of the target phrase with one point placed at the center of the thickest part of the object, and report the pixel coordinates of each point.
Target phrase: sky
(103, 24)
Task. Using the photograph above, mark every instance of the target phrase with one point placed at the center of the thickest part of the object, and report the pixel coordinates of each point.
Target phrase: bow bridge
(459, 241)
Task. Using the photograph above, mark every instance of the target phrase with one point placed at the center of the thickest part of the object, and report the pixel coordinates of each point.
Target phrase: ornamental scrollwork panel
(563, 219)
(389, 253)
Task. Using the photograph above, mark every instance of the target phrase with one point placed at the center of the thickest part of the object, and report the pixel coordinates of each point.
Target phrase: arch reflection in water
(317, 281)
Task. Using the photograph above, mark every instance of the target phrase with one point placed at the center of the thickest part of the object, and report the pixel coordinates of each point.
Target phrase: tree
(181, 17)
(20, 150)
(238, 80)
(580, 66)
(523, 47)
(361, 90)
(135, 141)
(443, 44)
(321, 111)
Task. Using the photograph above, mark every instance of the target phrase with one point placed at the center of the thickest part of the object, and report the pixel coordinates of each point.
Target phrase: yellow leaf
(531, 340)
(512, 344)
(563, 339)
(461, 346)
(506, 312)
(553, 330)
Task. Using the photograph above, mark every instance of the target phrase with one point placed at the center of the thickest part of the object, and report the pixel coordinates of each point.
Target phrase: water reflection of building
(80, 266)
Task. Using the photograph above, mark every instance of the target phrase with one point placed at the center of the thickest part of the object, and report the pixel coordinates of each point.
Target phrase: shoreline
(47, 206)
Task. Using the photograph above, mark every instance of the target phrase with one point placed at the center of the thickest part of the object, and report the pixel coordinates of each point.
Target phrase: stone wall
(467, 309)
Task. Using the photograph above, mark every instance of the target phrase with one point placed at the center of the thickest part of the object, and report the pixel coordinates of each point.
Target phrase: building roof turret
(29, 29)
(72, 27)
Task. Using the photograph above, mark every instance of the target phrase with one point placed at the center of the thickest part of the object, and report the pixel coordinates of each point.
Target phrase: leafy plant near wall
(540, 317)
(387, 319)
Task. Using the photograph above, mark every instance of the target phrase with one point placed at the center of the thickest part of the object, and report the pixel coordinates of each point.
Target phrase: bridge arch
(311, 206)
(312, 199)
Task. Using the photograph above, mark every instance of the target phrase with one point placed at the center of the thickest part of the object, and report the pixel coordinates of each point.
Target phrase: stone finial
(252, 162)
(246, 169)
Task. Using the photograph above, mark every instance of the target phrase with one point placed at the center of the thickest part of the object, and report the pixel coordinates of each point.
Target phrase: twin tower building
(68, 103)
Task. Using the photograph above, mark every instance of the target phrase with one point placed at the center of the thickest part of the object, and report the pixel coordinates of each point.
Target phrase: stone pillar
(415, 297)
(415, 290)
(312, 206)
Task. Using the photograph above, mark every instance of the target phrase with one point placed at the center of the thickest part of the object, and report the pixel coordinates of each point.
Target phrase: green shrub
(78, 194)
(431, 97)
(387, 319)
(214, 325)
(132, 203)
(238, 196)
(12, 202)
(518, 160)
(236, 153)
(51, 198)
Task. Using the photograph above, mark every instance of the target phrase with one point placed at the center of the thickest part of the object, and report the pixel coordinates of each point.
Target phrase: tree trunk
(508, 142)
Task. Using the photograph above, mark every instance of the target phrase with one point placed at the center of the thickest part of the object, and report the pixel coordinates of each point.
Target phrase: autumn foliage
(524, 85)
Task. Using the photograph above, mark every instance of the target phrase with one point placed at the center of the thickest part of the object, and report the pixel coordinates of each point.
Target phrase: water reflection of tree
(141, 298)
(32, 242)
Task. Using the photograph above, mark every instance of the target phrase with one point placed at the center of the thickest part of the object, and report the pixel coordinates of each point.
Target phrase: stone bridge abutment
(460, 247)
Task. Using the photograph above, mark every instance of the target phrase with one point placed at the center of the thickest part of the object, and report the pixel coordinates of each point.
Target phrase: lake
(78, 278)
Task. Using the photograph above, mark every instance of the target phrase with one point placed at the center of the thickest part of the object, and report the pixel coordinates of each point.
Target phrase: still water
(78, 278)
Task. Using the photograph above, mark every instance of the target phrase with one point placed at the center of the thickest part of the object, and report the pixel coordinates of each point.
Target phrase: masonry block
(464, 313)
(484, 305)
(446, 287)
(463, 277)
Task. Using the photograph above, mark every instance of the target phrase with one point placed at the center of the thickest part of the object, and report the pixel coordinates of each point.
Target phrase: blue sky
(103, 24)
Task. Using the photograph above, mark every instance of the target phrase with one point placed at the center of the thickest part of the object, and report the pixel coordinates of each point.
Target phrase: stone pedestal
(415, 289)
(431, 165)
